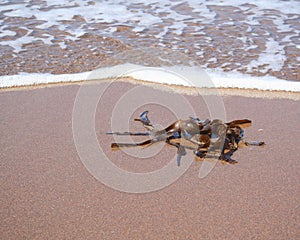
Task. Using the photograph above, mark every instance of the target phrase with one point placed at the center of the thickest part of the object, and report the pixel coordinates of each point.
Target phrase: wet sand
(257, 39)
(46, 192)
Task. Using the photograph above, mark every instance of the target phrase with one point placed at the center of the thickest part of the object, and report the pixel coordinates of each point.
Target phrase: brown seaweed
(205, 138)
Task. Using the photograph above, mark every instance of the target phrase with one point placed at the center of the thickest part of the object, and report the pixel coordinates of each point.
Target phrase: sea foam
(174, 75)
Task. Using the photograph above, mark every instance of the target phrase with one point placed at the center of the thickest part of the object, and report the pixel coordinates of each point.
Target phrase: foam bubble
(271, 59)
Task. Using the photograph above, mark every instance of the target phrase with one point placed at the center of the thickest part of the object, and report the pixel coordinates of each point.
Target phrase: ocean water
(239, 44)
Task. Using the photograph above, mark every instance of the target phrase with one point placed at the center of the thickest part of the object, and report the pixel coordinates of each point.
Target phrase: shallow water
(261, 38)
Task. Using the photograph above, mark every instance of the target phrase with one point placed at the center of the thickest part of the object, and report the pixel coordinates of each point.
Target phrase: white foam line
(27, 79)
(176, 75)
(242, 81)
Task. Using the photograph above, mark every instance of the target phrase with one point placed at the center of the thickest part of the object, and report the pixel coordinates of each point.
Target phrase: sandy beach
(47, 193)
(59, 177)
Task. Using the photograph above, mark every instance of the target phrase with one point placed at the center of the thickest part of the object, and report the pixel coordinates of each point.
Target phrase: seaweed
(206, 138)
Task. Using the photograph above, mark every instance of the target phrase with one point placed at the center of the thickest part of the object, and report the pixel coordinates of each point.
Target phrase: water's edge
(179, 79)
(174, 75)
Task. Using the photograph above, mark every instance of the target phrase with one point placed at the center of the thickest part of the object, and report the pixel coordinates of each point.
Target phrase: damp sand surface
(47, 193)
